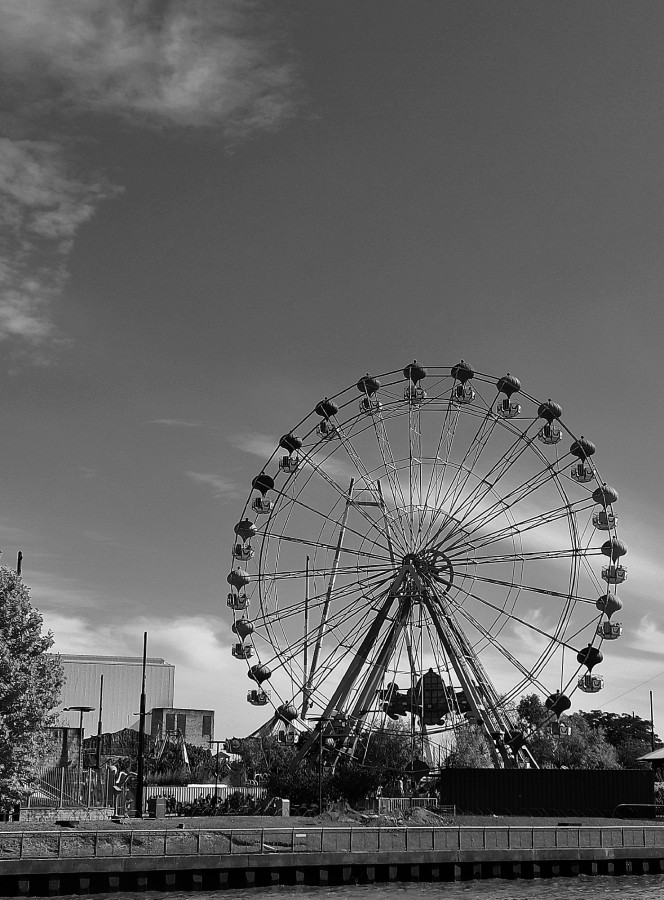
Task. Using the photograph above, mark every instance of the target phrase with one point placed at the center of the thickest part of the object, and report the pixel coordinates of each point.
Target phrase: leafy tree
(585, 747)
(471, 749)
(380, 758)
(629, 734)
(30, 683)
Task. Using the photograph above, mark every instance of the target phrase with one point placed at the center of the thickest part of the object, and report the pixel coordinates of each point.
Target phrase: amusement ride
(424, 546)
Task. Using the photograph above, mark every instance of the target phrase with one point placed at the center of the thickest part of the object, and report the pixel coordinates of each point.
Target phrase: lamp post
(80, 710)
(217, 745)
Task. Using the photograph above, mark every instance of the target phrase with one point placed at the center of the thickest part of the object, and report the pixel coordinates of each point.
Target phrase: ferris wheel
(425, 546)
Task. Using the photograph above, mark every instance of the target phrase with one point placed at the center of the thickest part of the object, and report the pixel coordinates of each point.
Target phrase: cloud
(175, 423)
(221, 487)
(185, 63)
(41, 208)
(202, 63)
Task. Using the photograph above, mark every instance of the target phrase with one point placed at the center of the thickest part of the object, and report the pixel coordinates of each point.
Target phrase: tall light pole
(141, 735)
(217, 745)
(80, 709)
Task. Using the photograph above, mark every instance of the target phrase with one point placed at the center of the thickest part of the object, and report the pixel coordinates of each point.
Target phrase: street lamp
(217, 744)
(79, 709)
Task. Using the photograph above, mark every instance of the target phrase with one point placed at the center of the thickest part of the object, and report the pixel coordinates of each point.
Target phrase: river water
(628, 887)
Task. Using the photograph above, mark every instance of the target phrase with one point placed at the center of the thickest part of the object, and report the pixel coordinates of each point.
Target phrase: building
(122, 689)
(194, 726)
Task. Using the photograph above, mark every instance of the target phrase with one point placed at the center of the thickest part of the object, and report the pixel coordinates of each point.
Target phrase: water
(628, 887)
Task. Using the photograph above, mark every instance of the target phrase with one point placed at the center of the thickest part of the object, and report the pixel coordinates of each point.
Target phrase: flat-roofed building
(122, 689)
(194, 726)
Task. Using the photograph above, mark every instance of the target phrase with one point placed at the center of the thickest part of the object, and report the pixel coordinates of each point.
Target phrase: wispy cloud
(221, 487)
(209, 62)
(175, 423)
(41, 208)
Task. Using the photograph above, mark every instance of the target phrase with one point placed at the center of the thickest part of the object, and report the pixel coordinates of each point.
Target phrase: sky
(214, 213)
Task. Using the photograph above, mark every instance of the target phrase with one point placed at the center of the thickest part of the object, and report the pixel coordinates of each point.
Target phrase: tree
(471, 749)
(629, 734)
(30, 683)
(584, 747)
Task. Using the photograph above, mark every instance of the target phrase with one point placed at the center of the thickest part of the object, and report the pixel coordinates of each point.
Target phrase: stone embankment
(217, 853)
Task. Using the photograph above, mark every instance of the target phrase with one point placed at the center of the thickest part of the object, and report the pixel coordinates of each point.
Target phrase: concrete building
(122, 689)
(195, 725)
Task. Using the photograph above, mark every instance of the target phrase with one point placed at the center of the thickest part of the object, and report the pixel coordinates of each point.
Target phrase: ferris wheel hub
(431, 564)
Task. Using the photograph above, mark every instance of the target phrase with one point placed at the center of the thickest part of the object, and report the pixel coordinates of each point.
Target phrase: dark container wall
(534, 792)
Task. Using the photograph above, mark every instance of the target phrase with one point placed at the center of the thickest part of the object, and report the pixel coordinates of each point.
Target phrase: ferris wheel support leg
(360, 658)
(460, 660)
(381, 662)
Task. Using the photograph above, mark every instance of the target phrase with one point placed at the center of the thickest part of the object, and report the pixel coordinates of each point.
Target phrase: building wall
(61, 748)
(122, 689)
(196, 725)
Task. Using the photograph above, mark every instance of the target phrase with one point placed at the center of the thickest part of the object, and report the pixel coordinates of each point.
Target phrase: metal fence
(387, 805)
(227, 842)
(190, 793)
(66, 787)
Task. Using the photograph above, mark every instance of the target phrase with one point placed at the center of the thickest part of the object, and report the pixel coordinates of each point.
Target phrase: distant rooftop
(111, 660)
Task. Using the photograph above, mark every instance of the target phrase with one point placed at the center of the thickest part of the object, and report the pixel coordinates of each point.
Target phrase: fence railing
(228, 842)
(187, 794)
(66, 787)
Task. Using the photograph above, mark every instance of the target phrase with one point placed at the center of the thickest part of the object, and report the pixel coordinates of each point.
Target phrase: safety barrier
(247, 841)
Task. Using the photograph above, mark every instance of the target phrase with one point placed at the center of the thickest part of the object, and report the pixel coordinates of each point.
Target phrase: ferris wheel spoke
(392, 475)
(347, 551)
(498, 471)
(331, 520)
(470, 459)
(414, 468)
(359, 587)
(519, 528)
(568, 553)
(493, 641)
(510, 499)
(369, 483)
(440, 461)
(507, 614)
(533, 589)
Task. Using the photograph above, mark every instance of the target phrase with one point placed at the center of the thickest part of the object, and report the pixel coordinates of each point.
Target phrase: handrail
(169, 842)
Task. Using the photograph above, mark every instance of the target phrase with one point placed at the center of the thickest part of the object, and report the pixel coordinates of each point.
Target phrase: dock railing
(260, 841)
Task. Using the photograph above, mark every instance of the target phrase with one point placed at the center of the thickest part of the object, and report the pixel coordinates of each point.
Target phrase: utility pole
(141, 735)
(652, 726)
(101, 697)
(217, 745)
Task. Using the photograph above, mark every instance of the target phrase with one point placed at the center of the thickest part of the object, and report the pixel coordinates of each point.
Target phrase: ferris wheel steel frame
(422, 552)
